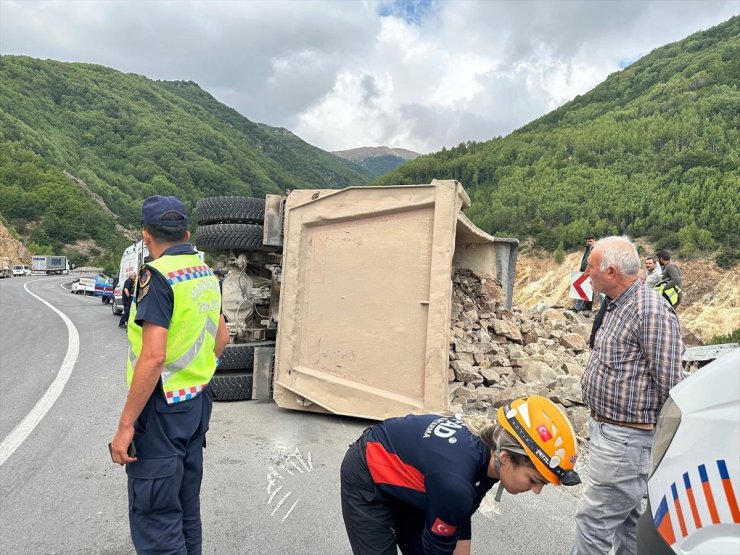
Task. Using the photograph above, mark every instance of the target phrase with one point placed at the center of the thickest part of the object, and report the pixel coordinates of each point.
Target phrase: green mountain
(653, 151)
(82, 145)
(378, 160)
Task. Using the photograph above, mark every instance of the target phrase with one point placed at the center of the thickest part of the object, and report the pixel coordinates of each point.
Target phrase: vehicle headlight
(668, 421)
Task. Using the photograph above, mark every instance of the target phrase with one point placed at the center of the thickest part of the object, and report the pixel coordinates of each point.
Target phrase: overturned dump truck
(339, 301)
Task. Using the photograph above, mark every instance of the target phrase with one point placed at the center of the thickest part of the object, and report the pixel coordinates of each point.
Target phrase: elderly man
(636, 360)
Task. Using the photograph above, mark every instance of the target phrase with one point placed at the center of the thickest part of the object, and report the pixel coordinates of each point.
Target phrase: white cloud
(340, 75)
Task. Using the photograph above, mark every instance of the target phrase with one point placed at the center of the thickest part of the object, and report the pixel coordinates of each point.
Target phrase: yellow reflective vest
(671, 294)
(189, 361)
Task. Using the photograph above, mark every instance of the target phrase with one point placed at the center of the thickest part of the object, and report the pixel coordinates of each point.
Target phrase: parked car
(694, 479)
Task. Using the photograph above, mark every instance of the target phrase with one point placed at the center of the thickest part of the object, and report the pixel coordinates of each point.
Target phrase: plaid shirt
(636, 358)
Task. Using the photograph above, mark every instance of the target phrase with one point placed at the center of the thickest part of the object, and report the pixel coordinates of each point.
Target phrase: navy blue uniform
(164, 482)
(413, 482)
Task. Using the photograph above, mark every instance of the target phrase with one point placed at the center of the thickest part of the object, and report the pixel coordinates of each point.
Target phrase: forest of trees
(128, 137)
(651, 152)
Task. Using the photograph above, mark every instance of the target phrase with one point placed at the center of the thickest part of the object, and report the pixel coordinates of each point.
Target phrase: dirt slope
(12, 248)
(711, 303)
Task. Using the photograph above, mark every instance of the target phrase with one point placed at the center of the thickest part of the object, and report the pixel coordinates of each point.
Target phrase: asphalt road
(271, 475)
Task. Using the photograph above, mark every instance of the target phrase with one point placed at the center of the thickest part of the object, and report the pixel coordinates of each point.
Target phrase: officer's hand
(120, 445)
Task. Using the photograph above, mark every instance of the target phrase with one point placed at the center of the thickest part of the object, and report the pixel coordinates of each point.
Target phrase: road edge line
(20, 433)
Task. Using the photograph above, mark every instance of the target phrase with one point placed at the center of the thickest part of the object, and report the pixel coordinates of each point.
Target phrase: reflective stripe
(189, 356)
(132, 358)
(186, 358)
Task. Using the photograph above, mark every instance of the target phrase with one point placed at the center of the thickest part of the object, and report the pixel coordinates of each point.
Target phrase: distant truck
(340, 301)
(5, 270)
(50, 265)
(20, 270)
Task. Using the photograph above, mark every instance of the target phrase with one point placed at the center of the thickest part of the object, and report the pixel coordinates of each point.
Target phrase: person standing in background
(126, 293)
(580, 304)
(670, 280)
(654, 272)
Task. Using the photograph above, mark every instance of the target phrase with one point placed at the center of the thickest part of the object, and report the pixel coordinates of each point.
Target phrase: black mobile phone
(131, 450)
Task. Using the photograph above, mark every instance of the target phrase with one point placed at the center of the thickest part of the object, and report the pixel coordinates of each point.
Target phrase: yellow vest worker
(175, 334)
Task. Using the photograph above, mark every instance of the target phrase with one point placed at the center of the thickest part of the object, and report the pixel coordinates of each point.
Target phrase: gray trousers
(612, 500)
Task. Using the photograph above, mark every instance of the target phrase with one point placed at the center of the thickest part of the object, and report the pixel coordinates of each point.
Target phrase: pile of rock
(497, 355)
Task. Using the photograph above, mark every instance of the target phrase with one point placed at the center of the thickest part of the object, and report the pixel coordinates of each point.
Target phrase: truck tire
(223, 237)
(235, 210)
(237, 356)
(231, 386)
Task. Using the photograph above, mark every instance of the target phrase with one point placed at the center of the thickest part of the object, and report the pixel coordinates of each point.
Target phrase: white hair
(619, 253)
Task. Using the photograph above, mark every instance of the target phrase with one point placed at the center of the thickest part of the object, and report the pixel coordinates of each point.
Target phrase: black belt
(635, 425)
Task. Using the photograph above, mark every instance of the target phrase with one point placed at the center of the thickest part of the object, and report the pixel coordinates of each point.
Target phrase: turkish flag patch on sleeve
(442, 528)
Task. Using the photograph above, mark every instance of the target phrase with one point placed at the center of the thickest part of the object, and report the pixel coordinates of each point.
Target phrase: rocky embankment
(13, 248)
(497, 354)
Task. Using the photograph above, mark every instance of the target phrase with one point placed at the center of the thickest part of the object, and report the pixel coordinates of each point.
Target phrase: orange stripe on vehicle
(692, 501)
(679, 512)
(731, 501)
(710, 502)
(729, 494)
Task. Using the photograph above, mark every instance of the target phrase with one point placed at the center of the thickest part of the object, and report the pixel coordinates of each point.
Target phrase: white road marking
(290, 510)
(274, 493)
(280, 503)
(19, 434)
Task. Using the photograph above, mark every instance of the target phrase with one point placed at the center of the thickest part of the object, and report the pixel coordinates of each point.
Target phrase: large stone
(507, 329)
(463, 346)
(491, 290)
(552, 315)
(573, 369)
(457, 309)
(534, 370)
(519, 390)
(515, 351)
(485, 394)
(464, 372)
(490, 376)
(579, 418)
(465, 357)
(573, 341)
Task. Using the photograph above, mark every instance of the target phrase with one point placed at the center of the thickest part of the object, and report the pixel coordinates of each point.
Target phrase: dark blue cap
(156, 207)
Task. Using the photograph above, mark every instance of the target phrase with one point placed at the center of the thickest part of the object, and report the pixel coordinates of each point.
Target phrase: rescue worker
(669, 285)
(176, 333)
(415, 482)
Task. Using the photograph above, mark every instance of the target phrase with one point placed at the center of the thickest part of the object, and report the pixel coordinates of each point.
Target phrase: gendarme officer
(175, 334)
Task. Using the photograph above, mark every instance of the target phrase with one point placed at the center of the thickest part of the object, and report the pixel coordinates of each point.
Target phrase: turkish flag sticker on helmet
(442, 528)
(544, 433)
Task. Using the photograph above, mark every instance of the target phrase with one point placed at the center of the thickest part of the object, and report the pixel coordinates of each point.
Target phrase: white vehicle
(55, 265)
(83, 286)
(132, 259)
(694, 480)
(20, 270)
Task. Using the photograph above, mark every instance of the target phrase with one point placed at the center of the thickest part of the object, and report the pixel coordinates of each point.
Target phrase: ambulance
(132, 259)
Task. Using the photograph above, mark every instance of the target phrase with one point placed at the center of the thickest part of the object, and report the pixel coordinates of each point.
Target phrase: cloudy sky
(416, 74)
